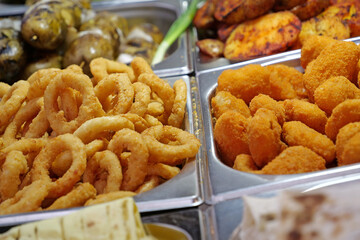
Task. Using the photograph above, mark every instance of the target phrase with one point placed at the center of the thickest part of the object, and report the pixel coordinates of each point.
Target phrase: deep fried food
(342, 139)
(307, 113)
(334, 91)
(344, 113)
(285, 82)
(295, 159)
(245, 163)
(140, 66)
(338, 59)
(230, 135)
(246, 82)
(150, 183)
(224, 101)
(264, 101)
(264, 133)
(178, 110)
(296, 133)
(106, 197)
(39, 80)
(266, 35)
(163, 170)
(4, 87)
(141, 99)
(351, 151)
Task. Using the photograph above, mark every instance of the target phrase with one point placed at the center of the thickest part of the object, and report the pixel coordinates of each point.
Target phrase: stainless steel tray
(159, 12)
(223, 181)
(223, 218)
(182, 191)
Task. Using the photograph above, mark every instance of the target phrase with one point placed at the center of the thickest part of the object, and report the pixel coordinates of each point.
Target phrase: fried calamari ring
(264, 134)
(11, 102)
(102, 67)
(178, 110)
(76, 198)
(70, 103)
(152, 121)
(344, 113)
(104, 164)
(116, 93)
(150, 183)
(142, 99)
(4, 87)
(39, 80)
(38, 126)
(89, 108)
(25, 114)
(160, 152)
(26, 200)
(162, 170)
(47, 155)
(106, 197)
(155, 108)
(91, 129)
(162, 89)
(140, 66)
(296, 133)
(14, 167)
(136, 171)
(345, 134)
(140, 123)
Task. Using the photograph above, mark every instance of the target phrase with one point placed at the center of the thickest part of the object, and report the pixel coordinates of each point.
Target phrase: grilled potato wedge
(211, 47)
(204, 16)
(237, 11)
(269, 34)
(281, 5)
(310, 8)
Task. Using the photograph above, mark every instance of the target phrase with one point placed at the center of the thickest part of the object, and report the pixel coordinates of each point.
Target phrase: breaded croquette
(225, 101)
(344, 135)
(296, 159)
(296, 133)
(245, 163)
(230, 134)
(264, 101)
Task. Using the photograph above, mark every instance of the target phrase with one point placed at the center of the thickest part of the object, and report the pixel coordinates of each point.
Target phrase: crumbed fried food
(296, 133)
(338, 59)
(281, 5)
(351, 151)
(286, 82)
(245, 163)
(245, 82)
(334, 91)
(230, 134)
(310, 8)
(264, 134)
(265, 101)
(328, 26)
(211, 47)
(266, 35)
(237, 11)
(345, 134)
(344, 113)
(305, 112)
(225, 101)
(312, 46)
(295, 159)
(204, 16)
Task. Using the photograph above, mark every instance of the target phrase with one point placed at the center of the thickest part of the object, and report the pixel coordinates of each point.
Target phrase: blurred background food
(247, 28)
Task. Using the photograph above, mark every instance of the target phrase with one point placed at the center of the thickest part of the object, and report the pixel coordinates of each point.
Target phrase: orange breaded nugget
(344, 135)
(296, 133)
(296, 159)
(245, 82)
(305, 112)
(286, 82)
(351, 151)
(338, 59)
(225, 101)
(264, 134)
(344, 113)
(230, 134)
(312, 47)
(264, 101)
(334, 91)
(245, 163)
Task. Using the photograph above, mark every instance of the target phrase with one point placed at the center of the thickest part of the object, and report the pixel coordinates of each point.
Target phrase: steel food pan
(224, 217)
(224, 181)
(162, 13)
(184, 190)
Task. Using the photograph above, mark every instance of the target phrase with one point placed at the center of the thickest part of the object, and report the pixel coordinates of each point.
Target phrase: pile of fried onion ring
(70, 140)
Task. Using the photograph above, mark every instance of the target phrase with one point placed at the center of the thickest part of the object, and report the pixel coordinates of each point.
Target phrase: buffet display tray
(223, 181)
(224, 217)
(182, 191)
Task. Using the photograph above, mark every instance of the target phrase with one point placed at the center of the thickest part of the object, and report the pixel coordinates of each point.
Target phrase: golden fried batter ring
(150, 183)
(102, 67)
(47, 155)
(136, 171)
(106, 197)
(116, 93)
(140, 65)
(178, 110)
(105, 165)
(163, 170)
(142, 99)
(39, 80)
(4, 87)
(89, 108)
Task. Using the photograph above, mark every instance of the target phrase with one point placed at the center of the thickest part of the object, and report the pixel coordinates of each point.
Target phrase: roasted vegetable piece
(281, 5)
(269, 34)
(225, 30)
(204, 16)
(12, 54)
(237, 11)
(310, 8)
(211, 47)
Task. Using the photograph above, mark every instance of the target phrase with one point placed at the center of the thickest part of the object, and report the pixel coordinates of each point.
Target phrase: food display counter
(205, 198)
